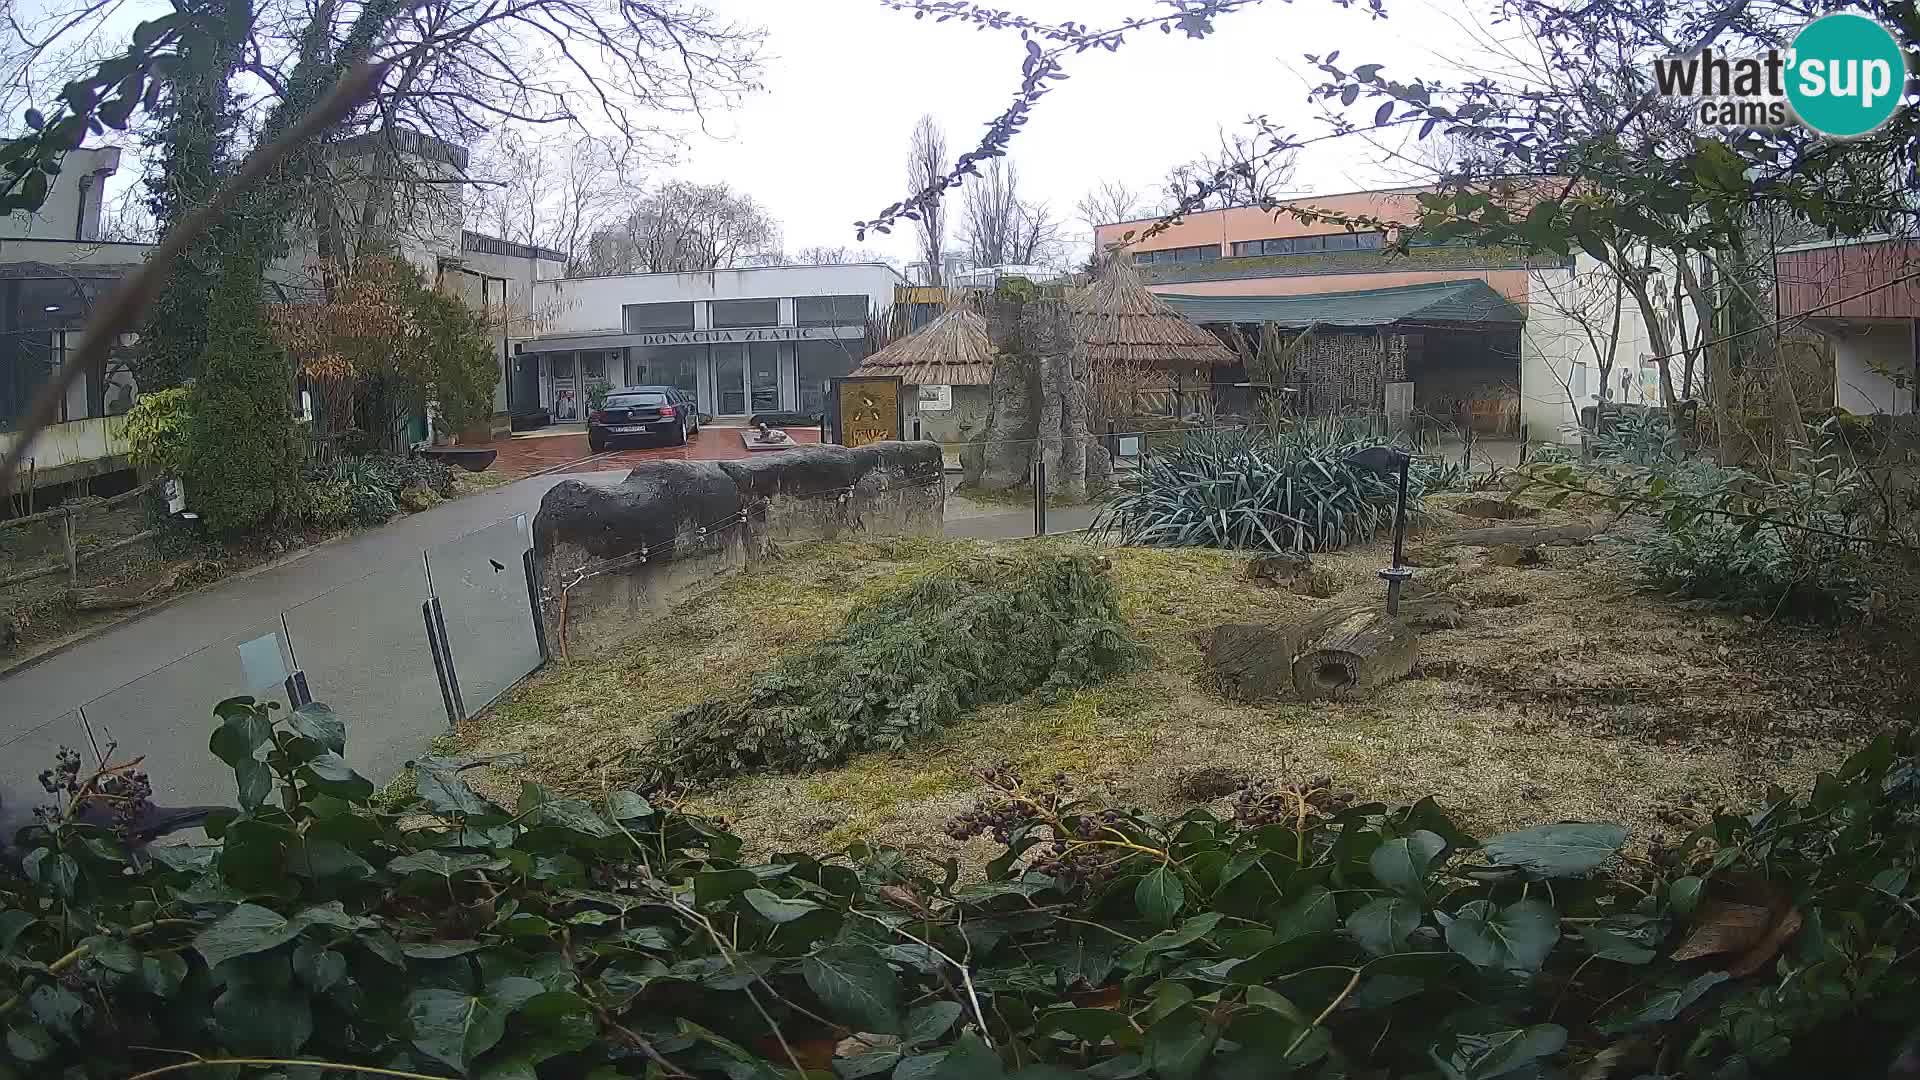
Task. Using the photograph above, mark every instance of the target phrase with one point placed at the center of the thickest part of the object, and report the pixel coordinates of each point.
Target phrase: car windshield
(628, 401)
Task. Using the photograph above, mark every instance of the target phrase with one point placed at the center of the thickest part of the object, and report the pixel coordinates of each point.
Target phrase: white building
(1861, 295)
(745, 341)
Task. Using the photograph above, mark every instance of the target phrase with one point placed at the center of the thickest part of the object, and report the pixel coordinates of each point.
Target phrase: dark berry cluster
(1264, 802)
(128, 794)
(1064, 851)
(118, 797)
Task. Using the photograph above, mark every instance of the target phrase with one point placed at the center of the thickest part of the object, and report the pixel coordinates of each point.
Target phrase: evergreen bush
(243, 450)
(906, 665)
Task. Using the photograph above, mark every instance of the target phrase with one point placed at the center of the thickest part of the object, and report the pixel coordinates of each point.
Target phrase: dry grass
(1567, 694)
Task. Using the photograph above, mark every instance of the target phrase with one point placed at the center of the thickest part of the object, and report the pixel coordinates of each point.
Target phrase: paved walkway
(535, 451)
(350, 612)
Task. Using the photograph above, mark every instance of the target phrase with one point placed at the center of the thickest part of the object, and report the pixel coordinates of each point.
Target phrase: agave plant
(1275, 492)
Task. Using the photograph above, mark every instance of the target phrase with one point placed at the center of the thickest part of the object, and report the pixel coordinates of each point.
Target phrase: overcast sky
(825, 143)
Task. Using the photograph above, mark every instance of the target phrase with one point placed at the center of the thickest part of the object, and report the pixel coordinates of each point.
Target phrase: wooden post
(72, 546)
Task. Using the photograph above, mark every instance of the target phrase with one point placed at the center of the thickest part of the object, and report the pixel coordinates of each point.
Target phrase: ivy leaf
(1383, 114)
(1629, 939)
(1383, 926)
(1517, 937)
(30, 1043)
(778, 909)
(247, 929)
(443, 864)
(263, 1020)
(319, 967)
(162, 973)
(318, 722)
(455, 1027)
(1316, 912)
(1401, 864)
(445, 792)
(1684, 895)
(929, 1022)
(1485, 1056)
(1666, 1005)
(58, 1008)
(330, 774)
(1350, 94)
(711, 885)
(856, 986)
(1189, 932)
(113, 954)
(1160, 896)
(1557, 851)
(1178, 1044)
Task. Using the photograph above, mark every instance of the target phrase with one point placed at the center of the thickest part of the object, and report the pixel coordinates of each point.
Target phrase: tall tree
(837, 255)
(1253, 170)
(926, 167)
(679, 226)
(555, 193)
(1001, 228)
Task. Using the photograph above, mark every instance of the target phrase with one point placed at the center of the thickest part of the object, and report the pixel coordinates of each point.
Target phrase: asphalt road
(349, 615)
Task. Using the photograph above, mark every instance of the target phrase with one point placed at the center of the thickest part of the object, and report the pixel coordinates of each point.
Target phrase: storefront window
(730, 378)
(658, 318)
(763, 366)
(728, 314)
(669, 365)
(830, 310)
(817, 363)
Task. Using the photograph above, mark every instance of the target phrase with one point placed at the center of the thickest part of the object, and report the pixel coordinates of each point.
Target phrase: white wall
(72, 252)
(1559, 364)
(1864, 355)
(592, 304)
(73, 442)
(73, 196)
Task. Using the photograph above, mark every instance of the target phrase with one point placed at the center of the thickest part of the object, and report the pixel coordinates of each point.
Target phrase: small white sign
(176, 493)
(1129, 445)
(936, 398)
(261, 662)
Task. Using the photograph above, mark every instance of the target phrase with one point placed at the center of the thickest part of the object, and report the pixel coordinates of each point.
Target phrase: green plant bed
(907, 664)
(1303, 933)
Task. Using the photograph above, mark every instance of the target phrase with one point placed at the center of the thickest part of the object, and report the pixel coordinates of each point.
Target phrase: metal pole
(1397, 574)
(72, 546)
(533, 599)
(441, 663)
(1039, 492)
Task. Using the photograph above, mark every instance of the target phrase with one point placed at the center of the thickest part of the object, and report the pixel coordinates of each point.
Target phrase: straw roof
(951, 350)
(1121, 321)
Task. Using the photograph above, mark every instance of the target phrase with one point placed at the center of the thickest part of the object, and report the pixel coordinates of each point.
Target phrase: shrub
(243, 453)
(1255, 490)
(906, 665)
(156, 431)
(1307, 935)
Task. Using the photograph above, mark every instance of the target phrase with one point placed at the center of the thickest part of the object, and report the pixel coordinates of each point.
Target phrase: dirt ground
(1567, 693)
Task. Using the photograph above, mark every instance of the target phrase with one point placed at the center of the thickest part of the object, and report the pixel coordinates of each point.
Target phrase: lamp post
(1386, 459)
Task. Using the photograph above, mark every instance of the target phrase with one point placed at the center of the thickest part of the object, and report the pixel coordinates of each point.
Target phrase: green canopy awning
(1466, 302)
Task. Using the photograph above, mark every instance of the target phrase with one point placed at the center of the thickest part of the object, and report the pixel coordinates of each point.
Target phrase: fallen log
(130, 593)
(1527, 536)
(1346, 654)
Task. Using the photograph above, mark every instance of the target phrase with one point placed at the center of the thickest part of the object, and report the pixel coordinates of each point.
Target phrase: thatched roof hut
(1122, 323)
(951, 350)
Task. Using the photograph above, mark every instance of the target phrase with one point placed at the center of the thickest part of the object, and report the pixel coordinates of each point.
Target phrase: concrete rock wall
(610, 557)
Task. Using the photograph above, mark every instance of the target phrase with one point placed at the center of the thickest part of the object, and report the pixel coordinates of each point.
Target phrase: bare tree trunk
(1053, 385)
(1007, 456)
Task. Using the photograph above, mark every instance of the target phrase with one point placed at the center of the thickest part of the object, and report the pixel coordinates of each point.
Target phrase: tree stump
(1251, 662)
(1346, 654)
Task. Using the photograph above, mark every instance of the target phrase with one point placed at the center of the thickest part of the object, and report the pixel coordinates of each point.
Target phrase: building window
(1202, 253)
(732, 314)
(1309, 245)
(561, 365)
(670, 365)
(817, 363)
(658, 318)
(830, 310)
(593, 366)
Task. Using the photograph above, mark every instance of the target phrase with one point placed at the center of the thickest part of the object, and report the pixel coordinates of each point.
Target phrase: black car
(634, 412)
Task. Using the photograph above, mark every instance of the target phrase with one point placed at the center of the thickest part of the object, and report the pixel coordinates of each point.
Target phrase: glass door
(764, 368)
(730, 379)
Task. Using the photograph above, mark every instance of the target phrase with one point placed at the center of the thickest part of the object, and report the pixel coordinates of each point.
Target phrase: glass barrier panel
(363, 647)
(166, 716)
(481, 581)
(25, 754)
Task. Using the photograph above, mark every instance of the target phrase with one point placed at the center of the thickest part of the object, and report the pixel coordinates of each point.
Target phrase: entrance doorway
(746, 377)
